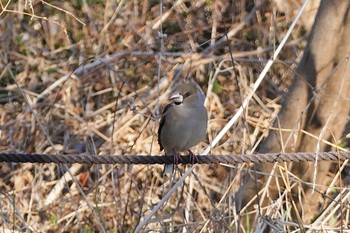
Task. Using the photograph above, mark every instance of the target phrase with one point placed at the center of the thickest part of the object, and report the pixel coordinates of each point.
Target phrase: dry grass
(87, 76)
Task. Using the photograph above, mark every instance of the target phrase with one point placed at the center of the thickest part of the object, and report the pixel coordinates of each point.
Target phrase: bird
(184, 122)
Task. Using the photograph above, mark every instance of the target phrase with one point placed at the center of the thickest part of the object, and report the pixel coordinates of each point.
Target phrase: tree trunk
(318, 101)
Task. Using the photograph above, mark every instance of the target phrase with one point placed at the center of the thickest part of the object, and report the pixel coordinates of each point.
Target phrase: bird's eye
(187, 94)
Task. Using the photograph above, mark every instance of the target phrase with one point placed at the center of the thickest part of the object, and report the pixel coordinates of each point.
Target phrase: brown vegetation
(89, 76)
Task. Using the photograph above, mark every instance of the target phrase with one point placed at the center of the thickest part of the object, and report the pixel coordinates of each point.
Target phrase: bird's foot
(193, 157)
(177, 158)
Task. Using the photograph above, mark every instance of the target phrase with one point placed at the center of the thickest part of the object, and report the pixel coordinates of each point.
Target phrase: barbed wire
(156, 159)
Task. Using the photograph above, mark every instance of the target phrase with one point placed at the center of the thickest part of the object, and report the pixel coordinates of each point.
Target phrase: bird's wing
(162, 121)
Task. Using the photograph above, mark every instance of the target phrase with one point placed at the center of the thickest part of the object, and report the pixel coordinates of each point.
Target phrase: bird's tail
(168, 169)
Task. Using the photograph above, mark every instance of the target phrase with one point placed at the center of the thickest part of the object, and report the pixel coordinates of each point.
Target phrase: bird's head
(188, 93)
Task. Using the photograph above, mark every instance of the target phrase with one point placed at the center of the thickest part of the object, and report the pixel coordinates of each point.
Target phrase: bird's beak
(176, 97)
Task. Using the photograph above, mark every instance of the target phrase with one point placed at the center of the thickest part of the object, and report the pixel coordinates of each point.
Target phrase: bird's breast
(184, 128)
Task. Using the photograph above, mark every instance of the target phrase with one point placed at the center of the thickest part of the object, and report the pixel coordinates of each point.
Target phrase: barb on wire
(156, 159)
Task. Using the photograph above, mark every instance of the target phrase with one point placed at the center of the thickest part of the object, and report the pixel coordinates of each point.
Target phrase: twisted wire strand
(156, 159)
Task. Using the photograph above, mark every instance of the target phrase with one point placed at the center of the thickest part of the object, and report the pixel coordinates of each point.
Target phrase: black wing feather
(162, 121)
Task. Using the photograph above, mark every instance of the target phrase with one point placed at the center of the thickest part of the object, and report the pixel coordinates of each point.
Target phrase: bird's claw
(177, 158)
(193, 157)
